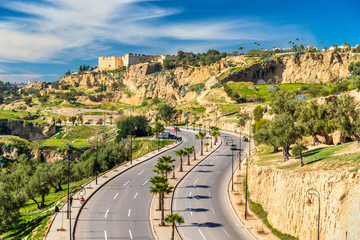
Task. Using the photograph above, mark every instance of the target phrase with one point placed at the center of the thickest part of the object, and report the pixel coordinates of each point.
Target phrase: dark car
(233, 146)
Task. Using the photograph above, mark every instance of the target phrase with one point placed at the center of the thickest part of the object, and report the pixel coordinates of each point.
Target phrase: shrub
(216, 85)
(272, 88)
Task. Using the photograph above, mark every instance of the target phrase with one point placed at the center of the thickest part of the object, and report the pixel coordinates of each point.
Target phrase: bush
(216, 85)
(272, 88)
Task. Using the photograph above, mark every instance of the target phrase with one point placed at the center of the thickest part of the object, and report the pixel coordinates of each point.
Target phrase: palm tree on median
(162, 168)
(163, 189)
(180, 153)
(201, 136)
(174, 218)
(189, 150)
(155, 180)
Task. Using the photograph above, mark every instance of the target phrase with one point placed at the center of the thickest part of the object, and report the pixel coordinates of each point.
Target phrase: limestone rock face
(31, 131)
(283, 195)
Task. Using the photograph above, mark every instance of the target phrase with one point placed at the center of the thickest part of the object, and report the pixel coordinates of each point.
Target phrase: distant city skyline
(42, 39)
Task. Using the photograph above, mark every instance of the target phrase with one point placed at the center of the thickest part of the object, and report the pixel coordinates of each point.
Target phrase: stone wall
(282, 194)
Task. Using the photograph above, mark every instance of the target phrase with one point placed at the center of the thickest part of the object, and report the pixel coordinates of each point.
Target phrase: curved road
(201, 198)
(121, 208)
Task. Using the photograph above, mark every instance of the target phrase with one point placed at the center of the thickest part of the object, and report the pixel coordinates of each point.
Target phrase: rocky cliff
(312, 68)
(30, 131)
(283, 195)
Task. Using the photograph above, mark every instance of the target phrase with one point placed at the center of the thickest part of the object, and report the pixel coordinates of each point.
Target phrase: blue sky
(40, 40)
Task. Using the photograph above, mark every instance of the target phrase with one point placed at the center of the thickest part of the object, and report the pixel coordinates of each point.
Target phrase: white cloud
(59, 30)
(24, 78)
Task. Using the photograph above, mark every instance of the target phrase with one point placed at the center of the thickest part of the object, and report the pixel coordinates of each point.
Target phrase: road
(121, 209)
(201, 198)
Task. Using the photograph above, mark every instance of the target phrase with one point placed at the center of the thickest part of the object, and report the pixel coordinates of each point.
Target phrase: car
(176, 129)
(98, 123)
(233, 146)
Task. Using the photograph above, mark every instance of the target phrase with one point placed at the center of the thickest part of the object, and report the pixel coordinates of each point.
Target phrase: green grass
(144, 146)
(61, 144)
(261, 213)
(228, 108)
(324, 157)
(12, 115)
(95, 113)
(33, 222)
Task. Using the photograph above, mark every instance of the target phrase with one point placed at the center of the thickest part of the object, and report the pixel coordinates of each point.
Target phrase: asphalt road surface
(201, 198)
(121, 209)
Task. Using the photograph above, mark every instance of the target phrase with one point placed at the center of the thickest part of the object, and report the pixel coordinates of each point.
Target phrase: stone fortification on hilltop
(112, 63)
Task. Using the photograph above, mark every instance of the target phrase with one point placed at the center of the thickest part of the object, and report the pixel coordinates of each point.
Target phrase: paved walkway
(60, 225)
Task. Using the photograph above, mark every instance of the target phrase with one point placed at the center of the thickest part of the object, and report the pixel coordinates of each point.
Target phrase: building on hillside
(111, 63)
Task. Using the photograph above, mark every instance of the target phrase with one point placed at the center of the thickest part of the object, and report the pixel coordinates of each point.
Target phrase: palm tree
(201, 136)
(156, 180)
(207, 146)
(194, 152)
(189, 150)
(174, 218)
(162, 168)
(163, 189)
(166, 159)
(180, 153)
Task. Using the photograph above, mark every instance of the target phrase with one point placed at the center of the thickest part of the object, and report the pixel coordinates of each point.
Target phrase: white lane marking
(217, 156)
(209, 194)
(105, 234)
(191, 211)
(129, 212)
(135, 195)
(190, 194)
(107, 211)
(212, 181)
(130, 234)
(196, 181)
(126, 183)
(141, 172)
(226, 233)
(202, 234)
(116, 196)
(145, 182)
(212, 209)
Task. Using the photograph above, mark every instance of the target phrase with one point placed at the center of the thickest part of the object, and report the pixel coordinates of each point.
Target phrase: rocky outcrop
(312, 68)
(30, 131)
(283, 195)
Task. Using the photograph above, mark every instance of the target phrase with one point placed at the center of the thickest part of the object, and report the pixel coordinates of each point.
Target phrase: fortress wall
(110, 63)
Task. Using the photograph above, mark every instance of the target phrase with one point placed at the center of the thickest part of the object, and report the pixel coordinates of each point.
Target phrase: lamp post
(232, 169)
(309, 193)
(68, 202)
(241, 156)
(247, 171)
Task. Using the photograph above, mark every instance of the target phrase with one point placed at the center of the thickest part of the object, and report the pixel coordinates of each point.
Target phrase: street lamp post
(247, 171)
(131, 133)
(232, 170)
(68, 202)
(309, 193)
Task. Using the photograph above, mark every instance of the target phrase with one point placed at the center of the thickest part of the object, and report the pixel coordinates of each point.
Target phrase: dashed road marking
(196, 181)
(141, 172)
(129, 212)
(202, 234)
(131, 237)
(105, 234)
(126, 183)
(145, 182)
(135, 195)
(226, 233)
(212, 209)
(107, 211)
(116, 196)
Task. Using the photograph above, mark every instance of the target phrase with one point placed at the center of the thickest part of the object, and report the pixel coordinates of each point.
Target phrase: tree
(28, 100)
(39, 185)
(313, 118)
(258, 113)
(241, 48)
(58, 120)
(134, 125)
(207, 146)
(162, 168)
(286, 133)
(166, 112)
(298, 150)
(266, 134)
(189, 151)
(346, 117)
(201, 136)
(180, 153)
(173, 219)
(58, 171)
(155, 180)
(284, 102)
(163, 189)
(80, 119)
(72, 119)
(166, 159)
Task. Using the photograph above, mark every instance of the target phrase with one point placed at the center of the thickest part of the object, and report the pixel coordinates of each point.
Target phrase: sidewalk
(252, 224)
(164, 232)
(60, 229)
